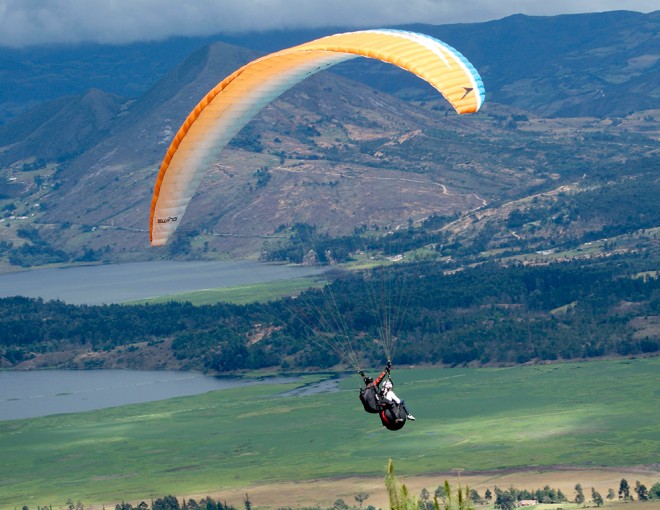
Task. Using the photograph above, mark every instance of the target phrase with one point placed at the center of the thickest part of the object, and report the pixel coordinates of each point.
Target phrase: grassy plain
(494, 420)
(242, 294)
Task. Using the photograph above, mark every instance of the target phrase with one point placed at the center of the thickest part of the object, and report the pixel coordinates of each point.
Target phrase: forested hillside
(483, 315)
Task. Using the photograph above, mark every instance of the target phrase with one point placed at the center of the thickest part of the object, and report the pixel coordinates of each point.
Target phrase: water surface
(45, 392)
(119, 283)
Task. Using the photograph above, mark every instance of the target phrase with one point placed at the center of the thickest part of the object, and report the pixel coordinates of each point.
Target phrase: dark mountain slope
(60, 129)
(164, 107)
(29, 76)
(122, 167)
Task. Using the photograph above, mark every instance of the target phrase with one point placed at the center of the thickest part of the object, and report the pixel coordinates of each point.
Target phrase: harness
(372, 396)
(392, 415)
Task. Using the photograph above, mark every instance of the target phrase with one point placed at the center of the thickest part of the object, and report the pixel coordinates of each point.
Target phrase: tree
(425, 502)
(360, 498)
(247, 502)
(504, 500)
(440, 493)
(654, 493)
(167, 503)
(475, 497)
(340, 504)
(610, 494)
(488, 495)
(624, 490)
(642, 491)
(579, 496)
(596, 497)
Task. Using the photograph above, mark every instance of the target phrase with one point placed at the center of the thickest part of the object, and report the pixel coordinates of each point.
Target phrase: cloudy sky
(31, 22)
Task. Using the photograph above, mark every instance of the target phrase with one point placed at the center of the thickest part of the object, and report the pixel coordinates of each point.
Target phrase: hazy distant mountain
(603, 61)
(61, 129)
(33, 75)
(572, 107)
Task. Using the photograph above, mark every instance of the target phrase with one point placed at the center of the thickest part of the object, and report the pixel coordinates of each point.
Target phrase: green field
(601, 413)
(242, 294)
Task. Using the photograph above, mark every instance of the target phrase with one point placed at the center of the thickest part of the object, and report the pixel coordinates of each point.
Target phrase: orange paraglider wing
(231, 104)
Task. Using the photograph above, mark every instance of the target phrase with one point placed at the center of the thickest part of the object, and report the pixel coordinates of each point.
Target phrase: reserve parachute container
(370, 398)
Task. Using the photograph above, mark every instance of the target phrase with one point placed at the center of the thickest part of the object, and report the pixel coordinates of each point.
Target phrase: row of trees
(464, 498)
(507, 499)
(444, 497)
(511, 498)
(168, 502)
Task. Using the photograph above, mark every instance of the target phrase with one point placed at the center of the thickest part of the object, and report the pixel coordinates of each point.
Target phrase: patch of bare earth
(139, 356)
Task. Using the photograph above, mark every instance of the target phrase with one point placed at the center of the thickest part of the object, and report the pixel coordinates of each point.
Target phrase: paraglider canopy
(239, 97)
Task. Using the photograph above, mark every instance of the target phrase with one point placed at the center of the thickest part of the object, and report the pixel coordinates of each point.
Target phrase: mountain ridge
(81, 169)
(81, 67)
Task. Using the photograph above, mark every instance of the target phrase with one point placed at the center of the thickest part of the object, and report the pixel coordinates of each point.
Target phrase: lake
(41, 393)
(119, 283)
(45, 392)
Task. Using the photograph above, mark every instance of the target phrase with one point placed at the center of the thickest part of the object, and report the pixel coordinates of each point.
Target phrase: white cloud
(30, 22)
